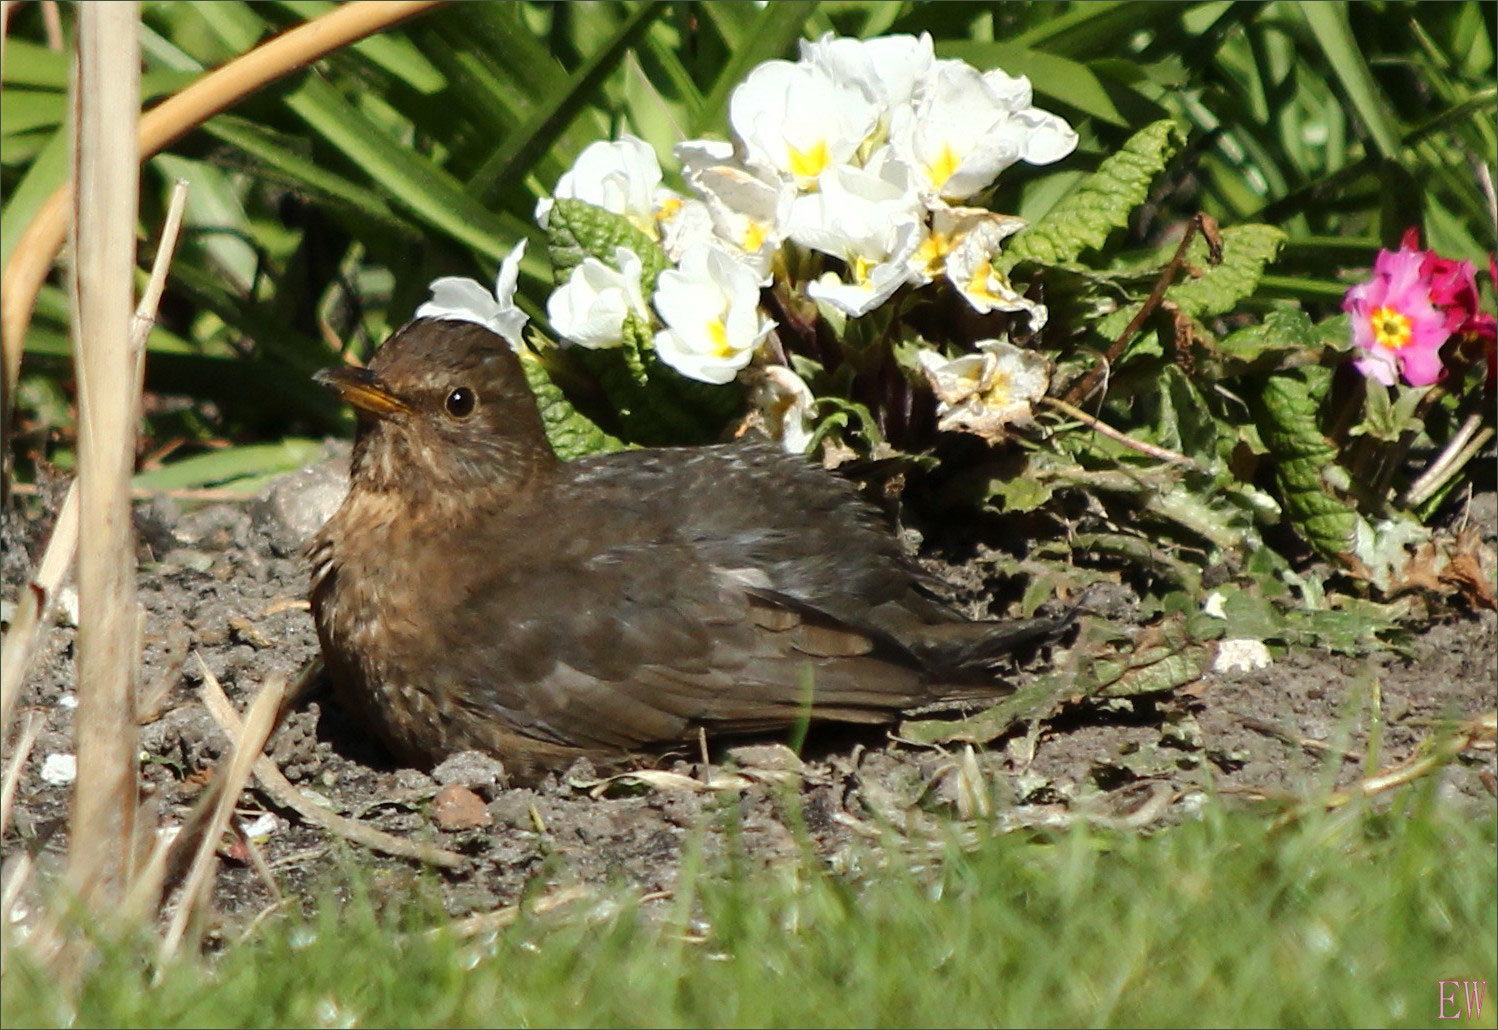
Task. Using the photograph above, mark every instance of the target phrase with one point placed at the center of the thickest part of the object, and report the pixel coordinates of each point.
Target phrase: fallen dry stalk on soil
(284, 793)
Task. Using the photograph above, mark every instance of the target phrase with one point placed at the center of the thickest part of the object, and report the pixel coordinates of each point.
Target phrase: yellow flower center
(933, 251)
(1390, 328)
(754, 237)
(808, 164)
(940, 168)
(862, 266)
(718, 333)
(978, 285)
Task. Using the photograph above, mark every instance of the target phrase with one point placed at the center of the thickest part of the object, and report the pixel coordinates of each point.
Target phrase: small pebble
(458, 808)
(60, 770)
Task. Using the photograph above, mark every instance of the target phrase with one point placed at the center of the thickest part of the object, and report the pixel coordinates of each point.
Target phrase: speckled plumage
(473, 591)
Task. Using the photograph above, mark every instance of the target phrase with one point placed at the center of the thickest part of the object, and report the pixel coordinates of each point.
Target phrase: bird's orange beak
(363, 389)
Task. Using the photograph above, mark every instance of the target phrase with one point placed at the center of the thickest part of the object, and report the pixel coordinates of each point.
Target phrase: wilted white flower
(465, 300)
(750, 214)
(968, 127)
(871, 219)
(590, 307)
(622, 176)
(984, 392)
(684, 221)
(970, 268)
(710, 305)
(785, 402)
(949, 226)
(795, 119)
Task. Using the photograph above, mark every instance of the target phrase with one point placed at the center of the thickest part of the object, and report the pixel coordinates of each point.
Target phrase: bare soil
(225, 583)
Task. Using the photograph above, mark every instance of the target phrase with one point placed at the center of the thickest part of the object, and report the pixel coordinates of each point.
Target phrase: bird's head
(443, 406)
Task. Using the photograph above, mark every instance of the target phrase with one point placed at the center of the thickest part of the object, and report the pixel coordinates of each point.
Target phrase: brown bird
(474, 591)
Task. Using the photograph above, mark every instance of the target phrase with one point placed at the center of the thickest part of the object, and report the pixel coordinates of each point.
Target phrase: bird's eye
(460, 402)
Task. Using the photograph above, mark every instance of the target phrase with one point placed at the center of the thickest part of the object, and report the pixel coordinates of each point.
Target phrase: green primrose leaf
(579, 230)
(1101, 203)
(1285, 412)
(572, 434)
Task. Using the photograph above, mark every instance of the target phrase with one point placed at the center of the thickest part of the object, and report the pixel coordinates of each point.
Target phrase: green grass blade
(553, 114)
(1333, 34)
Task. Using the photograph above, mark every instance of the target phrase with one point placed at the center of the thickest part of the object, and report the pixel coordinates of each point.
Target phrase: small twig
(35, 603)
(1099, 426)
(249, 740)
(1471, 733)
(258, 862)
(1311, 744)
(284, 794)
(1199, 223)
(484, 922)
(18, 758)
(1462, 448)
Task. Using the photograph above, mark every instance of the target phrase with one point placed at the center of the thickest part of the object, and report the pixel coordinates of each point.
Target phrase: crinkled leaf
(579, 230)
(1283, 332)
(1219, 288)
(1286, 414)
(572, 434)
(1101, 203)
(656, 404)
(1246, 249)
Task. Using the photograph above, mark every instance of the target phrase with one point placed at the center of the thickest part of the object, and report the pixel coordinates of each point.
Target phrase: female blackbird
(474, 591)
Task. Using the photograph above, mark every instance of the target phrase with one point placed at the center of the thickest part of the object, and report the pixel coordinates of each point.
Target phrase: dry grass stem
(285, 794)
(486, 922)
(32, 605)
(106, 168)
(249, 740)
(14, 764)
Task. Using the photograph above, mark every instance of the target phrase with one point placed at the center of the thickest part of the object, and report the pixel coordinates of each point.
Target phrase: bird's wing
(639, 645)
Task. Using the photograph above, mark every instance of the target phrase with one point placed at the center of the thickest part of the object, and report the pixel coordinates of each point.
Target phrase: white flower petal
(983, 393)
(462, 299)
(795, 119)
(710, 306)
(589, 309)
(785, 402)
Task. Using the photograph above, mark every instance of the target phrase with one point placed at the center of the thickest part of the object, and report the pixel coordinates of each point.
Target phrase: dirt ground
(225, 583)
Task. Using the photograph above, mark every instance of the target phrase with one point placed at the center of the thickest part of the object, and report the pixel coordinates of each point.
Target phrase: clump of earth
(223, 588)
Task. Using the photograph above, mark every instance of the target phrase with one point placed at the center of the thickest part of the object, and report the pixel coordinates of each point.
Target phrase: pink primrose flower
(1394, 321)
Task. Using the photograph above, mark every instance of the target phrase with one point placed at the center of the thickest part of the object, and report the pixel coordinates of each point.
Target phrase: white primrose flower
(886, 69)
(1044, 138)
(984, 392)
(870, 219)
(622, 176)
(795, 119)
(710, 305)
(464, 300)
(949, 225)
(589, 309)
(750, 214)
(785, 403)
(970, 268)
(684, 221)
(964, 132)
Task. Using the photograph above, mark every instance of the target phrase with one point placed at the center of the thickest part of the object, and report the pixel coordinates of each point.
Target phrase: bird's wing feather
(627, 650)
